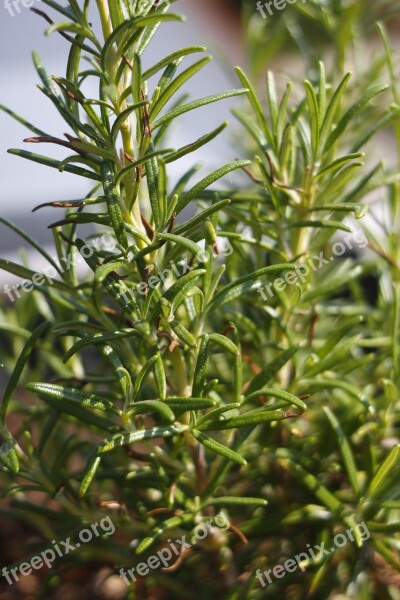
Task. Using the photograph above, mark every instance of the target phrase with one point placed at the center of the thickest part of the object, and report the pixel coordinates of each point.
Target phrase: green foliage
(185, 373)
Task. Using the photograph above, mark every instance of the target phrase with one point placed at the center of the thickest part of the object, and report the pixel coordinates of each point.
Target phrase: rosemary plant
(228, 360)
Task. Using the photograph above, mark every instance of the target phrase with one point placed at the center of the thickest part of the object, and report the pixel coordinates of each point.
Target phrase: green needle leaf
(59, 392)
(119, 440)
(181, 110)
(215, 446)
(209, 180)
(250, 418)
(19, 367)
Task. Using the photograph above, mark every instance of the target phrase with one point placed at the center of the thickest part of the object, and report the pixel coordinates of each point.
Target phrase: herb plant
(231, 360)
